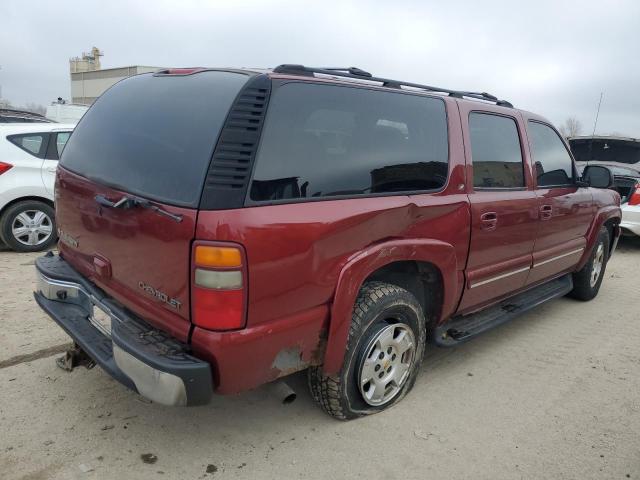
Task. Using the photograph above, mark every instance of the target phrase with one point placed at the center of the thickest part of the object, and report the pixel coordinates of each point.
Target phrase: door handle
(489, 221)
(546, 211)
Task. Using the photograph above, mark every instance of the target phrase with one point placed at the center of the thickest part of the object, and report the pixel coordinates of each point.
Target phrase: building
(89, 81)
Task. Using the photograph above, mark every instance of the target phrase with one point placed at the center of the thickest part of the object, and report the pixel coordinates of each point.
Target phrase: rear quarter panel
(308, 261)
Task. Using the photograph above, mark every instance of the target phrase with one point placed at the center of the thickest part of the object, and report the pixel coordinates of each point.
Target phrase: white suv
(29, 156)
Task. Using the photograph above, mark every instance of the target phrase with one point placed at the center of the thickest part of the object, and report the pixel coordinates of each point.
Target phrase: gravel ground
(553, 394)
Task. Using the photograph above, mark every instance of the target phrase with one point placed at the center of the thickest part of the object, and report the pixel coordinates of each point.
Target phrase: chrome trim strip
(499, 277)
(553, 259)
(74, 293)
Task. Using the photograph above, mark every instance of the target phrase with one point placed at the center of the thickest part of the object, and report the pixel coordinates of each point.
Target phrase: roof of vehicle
(604, 137)
(17, 128)
(348, 75)
(21, 116)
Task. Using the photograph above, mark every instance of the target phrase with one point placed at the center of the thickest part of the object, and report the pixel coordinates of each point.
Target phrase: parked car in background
(622, 156)
(29, 156)
(232, 227)
(11, 115)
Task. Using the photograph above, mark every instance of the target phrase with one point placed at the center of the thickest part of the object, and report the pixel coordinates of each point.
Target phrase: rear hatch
(129, 187)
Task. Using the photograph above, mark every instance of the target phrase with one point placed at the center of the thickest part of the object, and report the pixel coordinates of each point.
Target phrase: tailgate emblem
(163, 297)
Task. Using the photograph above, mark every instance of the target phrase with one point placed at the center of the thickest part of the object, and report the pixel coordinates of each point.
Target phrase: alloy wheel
(598, 262)
(386, 364)
(32, 227)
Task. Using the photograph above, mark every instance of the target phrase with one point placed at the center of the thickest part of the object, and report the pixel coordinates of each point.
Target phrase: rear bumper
(137, 355)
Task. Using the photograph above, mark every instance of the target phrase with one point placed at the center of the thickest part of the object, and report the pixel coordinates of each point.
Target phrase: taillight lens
(218, 286)
(634, 199)
(4, 167)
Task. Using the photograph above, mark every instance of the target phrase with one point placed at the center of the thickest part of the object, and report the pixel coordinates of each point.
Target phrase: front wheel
(587, 281)
(384, 352)
(28, 226)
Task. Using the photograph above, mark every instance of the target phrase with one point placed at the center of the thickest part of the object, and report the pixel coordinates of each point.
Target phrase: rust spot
(317, 354)
(289, 361)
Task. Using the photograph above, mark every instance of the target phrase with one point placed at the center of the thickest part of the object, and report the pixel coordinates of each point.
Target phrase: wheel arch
(421, 278)
(28, 198)
(393, 262)
(610, 224)
(608, 217)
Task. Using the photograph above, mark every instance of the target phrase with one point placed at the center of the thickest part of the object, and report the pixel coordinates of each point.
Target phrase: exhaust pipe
(282, 391)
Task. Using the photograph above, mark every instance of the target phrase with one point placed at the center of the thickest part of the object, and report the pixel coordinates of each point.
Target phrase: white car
(631, 212)
(29, 154)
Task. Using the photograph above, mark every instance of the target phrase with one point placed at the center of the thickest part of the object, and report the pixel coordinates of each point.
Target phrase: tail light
(218, 286)
(4, 167)
(634, 199)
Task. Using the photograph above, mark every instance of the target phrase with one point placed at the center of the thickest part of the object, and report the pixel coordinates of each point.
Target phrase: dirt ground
(554, 394)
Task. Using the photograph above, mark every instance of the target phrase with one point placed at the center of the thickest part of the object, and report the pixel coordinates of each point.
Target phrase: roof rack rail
(354, 72)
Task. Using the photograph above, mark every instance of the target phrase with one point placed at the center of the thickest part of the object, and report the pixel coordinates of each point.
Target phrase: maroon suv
(223, 228)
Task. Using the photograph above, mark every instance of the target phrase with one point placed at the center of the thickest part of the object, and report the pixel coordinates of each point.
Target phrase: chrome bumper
(142, 358)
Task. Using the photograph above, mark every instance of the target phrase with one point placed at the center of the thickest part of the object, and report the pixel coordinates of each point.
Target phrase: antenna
(597, 113)
(595, 124)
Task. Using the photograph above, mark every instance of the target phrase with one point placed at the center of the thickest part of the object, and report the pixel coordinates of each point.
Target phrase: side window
(495, 152)
(325, 140)
(61, 141)
(31, 143)
(552, 162)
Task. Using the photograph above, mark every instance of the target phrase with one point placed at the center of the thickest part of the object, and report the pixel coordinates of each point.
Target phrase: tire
(386, 319)
(37, 221)
(587, 281)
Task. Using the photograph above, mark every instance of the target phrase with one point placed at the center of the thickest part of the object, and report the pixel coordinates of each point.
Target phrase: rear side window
(61, 141)
(30, 143)
(325, 141)
(495, 152)
(553, 165)
(154, 135)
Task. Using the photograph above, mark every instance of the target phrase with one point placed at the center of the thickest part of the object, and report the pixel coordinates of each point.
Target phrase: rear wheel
(28, 226)
(587, 281)
(383, 357)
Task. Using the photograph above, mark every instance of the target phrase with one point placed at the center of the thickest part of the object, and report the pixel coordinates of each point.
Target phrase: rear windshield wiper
(130, 202)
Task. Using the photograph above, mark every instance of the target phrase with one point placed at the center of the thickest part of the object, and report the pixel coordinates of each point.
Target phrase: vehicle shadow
(629, 243)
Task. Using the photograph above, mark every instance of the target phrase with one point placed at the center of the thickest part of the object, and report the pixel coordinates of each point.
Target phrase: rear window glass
(154, 135)
(323, 141)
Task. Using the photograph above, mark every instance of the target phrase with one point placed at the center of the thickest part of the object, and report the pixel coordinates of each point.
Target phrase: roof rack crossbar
(357, 73)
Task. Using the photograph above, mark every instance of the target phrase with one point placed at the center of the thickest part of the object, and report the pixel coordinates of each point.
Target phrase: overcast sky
(550, 57)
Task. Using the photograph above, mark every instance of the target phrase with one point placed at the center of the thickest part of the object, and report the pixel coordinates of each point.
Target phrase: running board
(462, 328)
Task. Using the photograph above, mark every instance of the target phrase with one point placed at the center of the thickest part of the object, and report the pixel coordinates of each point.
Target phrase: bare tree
(571, 127)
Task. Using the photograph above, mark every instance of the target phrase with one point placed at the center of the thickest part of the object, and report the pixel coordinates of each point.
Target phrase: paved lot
(554, 394)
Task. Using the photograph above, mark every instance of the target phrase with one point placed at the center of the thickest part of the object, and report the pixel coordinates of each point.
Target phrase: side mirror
(598, 176)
